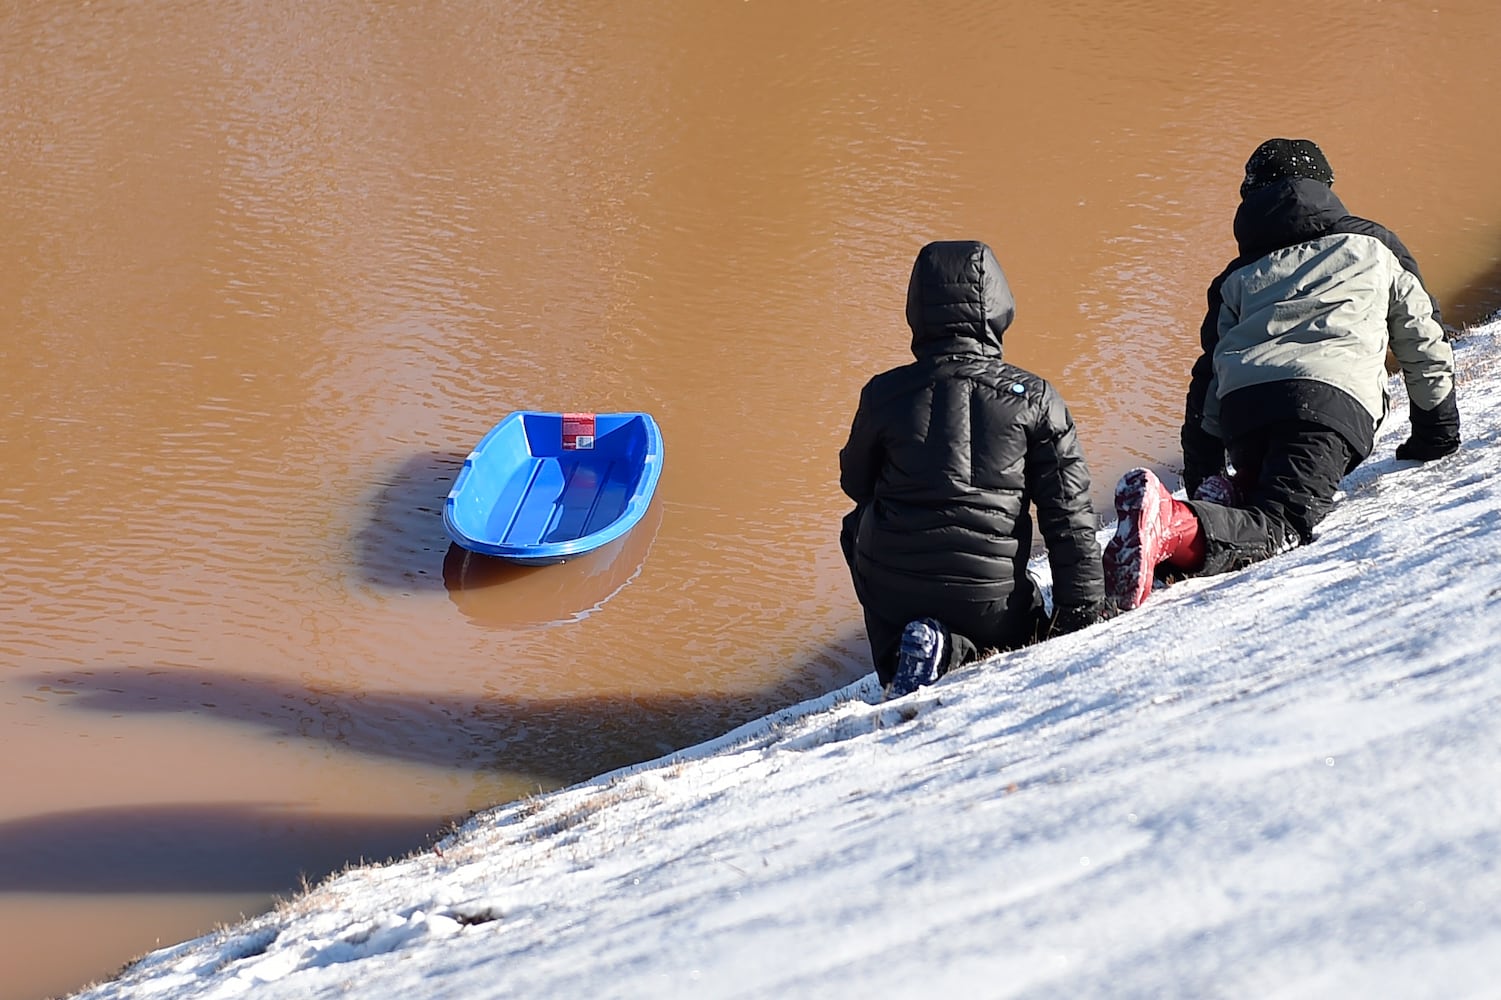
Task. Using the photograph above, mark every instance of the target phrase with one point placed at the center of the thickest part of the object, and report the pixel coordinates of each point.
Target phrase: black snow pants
(1288, 473)
(972, 626)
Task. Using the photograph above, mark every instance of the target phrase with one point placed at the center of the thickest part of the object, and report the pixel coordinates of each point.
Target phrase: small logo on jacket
(1018, 388)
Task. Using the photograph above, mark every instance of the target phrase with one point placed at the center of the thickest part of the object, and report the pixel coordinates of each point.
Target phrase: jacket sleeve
(860, 458)
(1404, 256)
(1058, 481)
(1203, 451)
(1417, 341)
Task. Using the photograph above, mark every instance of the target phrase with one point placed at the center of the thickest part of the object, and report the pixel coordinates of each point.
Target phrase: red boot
(1151, 528)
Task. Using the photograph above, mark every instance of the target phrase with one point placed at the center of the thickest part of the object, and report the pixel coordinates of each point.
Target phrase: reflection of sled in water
(500, 594)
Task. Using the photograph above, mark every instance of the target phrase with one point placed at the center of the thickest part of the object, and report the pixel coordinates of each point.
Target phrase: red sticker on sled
(578, 431)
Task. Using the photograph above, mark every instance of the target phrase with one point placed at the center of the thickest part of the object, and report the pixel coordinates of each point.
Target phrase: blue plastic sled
(541, 488)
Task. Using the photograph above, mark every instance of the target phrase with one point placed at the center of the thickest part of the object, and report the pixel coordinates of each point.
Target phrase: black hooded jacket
(947, 455)
(1279, 215)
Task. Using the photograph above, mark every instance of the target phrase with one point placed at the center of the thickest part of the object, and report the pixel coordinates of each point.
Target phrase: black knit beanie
(1279, 158)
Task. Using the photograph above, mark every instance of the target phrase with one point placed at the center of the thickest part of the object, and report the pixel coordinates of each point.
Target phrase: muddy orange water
(268, 270)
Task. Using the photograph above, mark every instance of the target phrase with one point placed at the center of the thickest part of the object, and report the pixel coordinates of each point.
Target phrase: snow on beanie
(1279, 158)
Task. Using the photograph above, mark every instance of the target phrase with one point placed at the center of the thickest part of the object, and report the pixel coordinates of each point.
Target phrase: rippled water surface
(269, 270)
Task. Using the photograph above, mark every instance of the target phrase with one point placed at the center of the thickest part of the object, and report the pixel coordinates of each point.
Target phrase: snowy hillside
(1284, 781)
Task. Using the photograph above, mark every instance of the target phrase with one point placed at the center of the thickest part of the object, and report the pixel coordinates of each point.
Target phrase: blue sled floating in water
(541, 488)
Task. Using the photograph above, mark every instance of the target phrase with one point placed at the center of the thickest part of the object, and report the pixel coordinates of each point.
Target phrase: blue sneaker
(923, 652)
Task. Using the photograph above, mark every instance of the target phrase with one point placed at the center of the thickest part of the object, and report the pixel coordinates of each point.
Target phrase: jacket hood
(1285, 213)
(958, 301)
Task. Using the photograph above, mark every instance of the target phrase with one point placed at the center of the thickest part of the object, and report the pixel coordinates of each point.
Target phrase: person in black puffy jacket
(945, 460)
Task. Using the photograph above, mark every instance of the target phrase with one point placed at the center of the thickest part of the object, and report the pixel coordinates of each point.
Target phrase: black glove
(1435, 432)
(1424, 451)
(1203, 456)
(1067, 620)
(1223, 489)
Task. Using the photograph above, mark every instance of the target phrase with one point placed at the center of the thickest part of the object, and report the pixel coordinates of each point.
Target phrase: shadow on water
(553, 740)
(401, 544)
(195, 848)
(265, 847)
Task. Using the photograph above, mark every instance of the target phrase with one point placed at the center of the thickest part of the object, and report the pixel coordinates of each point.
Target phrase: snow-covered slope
(1280, 782)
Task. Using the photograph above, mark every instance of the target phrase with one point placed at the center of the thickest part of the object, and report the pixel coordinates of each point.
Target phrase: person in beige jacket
(1291, 386)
